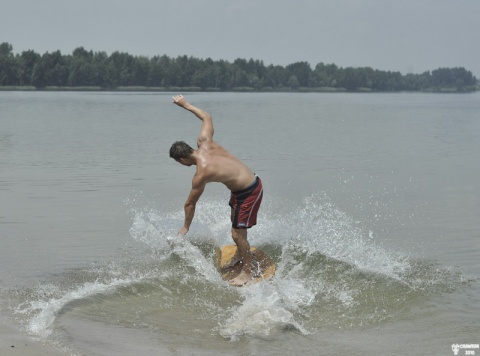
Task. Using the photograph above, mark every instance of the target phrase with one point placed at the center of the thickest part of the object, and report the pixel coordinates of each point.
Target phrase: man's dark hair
(179, 150)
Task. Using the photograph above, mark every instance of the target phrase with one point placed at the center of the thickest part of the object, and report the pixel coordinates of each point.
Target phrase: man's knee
(239, 234)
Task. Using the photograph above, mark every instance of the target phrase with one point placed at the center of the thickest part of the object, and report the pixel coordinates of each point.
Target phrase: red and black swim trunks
(245, 204)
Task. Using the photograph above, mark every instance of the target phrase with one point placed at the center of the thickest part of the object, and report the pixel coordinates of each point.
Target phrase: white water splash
(46, 310)
(314, 236)
(265, 310)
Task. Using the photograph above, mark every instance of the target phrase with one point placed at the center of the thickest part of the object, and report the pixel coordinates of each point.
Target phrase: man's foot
(234, 261)
(240, 280)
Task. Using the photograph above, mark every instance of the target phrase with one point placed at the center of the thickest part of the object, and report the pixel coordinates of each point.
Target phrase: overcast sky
(398, 35)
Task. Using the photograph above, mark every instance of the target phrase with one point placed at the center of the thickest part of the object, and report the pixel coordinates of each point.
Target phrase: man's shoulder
(201, 176)
(211, 148)
(207, 143)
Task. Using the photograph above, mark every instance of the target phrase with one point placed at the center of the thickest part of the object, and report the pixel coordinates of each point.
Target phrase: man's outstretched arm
(206, 131)
(198, 186)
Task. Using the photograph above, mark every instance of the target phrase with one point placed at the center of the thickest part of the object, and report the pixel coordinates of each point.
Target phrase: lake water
(371, 212)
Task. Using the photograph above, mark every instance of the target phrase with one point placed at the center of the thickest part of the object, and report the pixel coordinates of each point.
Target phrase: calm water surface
(371, 211)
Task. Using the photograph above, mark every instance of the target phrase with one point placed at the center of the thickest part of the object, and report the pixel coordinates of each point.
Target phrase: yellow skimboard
(263, 266)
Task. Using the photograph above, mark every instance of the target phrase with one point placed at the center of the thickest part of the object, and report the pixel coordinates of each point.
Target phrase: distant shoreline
(119, 71)
(233, 90)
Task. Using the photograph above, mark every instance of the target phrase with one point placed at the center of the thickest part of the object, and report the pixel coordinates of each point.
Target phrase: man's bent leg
(236, 258)
(243, 249)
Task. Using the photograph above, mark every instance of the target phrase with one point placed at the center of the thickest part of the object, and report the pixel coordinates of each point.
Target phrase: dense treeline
(87, 69)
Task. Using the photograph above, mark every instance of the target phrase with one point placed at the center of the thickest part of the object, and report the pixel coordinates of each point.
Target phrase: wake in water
(330, 275)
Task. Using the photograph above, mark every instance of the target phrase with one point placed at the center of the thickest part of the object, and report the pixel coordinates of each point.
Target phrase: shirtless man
(215, 164)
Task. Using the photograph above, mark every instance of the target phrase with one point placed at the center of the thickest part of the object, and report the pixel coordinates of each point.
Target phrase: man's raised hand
(179, 100)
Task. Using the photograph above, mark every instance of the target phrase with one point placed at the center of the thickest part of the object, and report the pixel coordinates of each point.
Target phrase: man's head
(181, 152)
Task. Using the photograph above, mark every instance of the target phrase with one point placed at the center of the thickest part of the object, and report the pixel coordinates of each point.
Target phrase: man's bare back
(215, 164)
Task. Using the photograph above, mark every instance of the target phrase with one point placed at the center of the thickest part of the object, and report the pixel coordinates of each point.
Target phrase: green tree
(302, 71)
(8, 65)
(54, 69)
(27, 61)
(293, 82)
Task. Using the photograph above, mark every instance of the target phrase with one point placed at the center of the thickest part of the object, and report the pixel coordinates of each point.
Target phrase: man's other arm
(198, 186)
